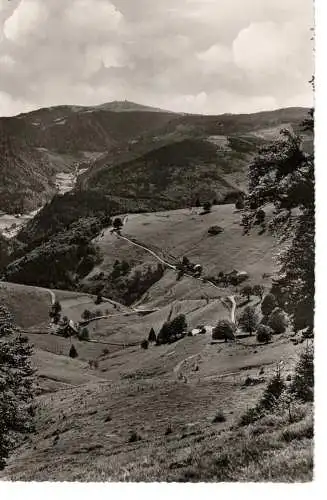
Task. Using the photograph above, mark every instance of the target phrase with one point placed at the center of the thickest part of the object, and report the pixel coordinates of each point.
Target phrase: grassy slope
(181, 233)
(29, 305)
(93, 411)
(94, 421)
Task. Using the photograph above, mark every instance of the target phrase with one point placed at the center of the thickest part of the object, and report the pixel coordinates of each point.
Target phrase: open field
(174, 234)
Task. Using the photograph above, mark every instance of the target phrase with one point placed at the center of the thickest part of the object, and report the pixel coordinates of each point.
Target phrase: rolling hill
(38, 145)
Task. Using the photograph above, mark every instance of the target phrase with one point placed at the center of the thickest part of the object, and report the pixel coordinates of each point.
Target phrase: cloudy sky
(206, 56)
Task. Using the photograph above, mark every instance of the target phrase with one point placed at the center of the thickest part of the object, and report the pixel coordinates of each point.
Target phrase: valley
(129, 222)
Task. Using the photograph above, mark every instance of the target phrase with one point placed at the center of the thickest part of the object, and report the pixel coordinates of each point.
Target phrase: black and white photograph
(157, 241)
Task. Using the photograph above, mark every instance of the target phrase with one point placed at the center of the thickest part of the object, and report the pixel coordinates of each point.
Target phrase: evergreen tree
(272, 393)
(16, 391)
(73, 352)
(7, 325)
(268, 304)
(152, 336)
(303, 381)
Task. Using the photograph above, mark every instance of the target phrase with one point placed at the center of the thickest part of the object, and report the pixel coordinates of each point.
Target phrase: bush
(247, 291)
(73, 352)
(249, 319)
(277, 321)
(225, 330)
(133, 437)
(219, 417)
(250, 416)
(302, 385)
(144, 344)
(214, 230)
(268, 304)
(264, 334)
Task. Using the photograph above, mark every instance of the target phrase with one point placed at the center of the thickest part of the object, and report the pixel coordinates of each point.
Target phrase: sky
(193, 56)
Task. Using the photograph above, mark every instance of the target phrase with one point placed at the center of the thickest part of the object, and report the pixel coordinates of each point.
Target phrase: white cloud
(262, 47)
(194, 55)
(10, 106)
(92, 18)
(107, 56)
(215, 59)
(25, 21)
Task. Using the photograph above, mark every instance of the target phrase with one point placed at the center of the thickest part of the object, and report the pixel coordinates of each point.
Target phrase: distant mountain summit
(127, 106)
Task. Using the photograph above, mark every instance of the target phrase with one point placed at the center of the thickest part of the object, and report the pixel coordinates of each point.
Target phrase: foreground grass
(84, 434)
(271, 450)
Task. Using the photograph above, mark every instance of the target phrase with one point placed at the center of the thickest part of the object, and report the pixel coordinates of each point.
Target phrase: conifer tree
(16, 390)
(152, 336)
